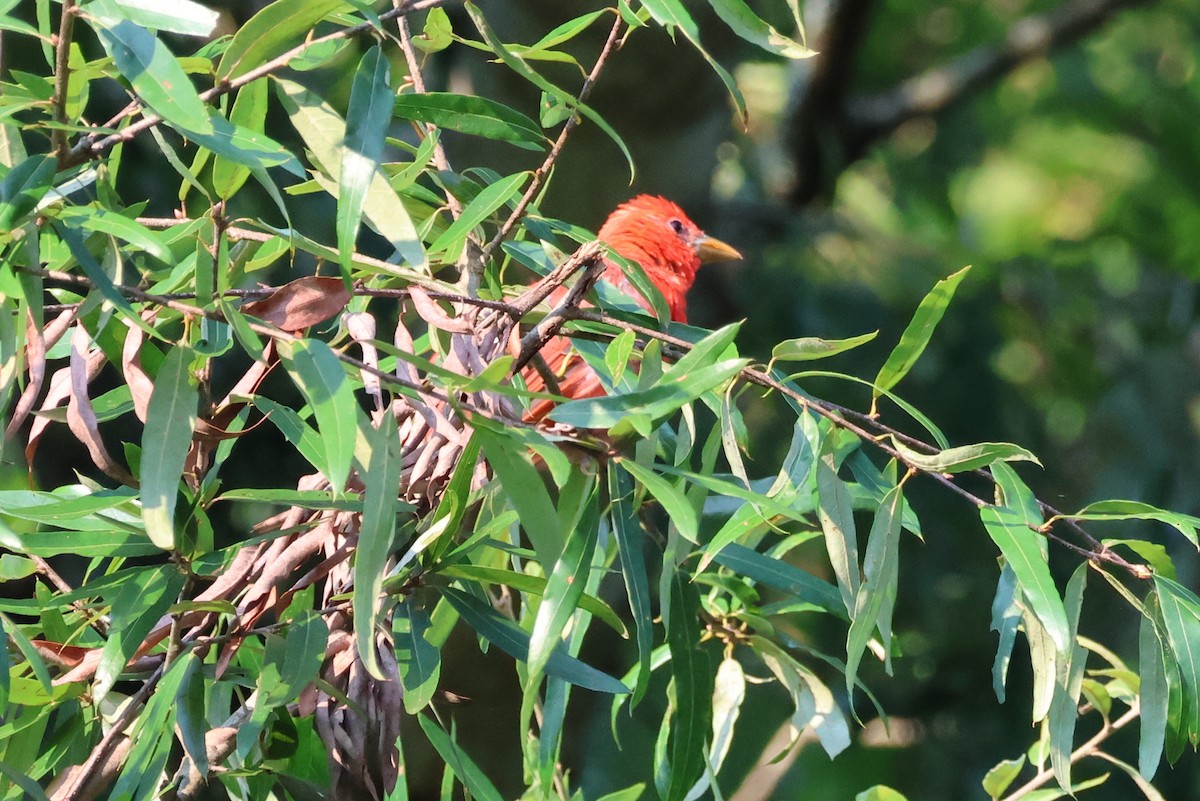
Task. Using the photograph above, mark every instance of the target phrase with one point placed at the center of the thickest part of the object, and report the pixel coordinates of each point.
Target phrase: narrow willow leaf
(1064, 707)
(375, 538)
(918, 333)
(23, 187)
(677, 505)
(1136, 510)
(1181, 620)
(319, 375)
(813, 703)
(190, 715)
(290, 662)
(1006, 619)
(672, 15)
(102, 282)
(1016, 495)
(479, 209)
(693, 682)
(470, 114)
(729, 691)
(1020, 546)
(877, 593)
(473, 779)
(420, 660)
(805, 349)
(517, 65)
(27, 649)
(836, 515)
(367, 119)
(565, 586)
(633, 571)
(170, 422)
(182, 16)
(965, 457)
(150, 67)
(120, 226)
(526, 491)
(249, 113)
(1152, 695)
(505, 635)
(746, 24)
(138, 602)
(147, 758)
(271, 32)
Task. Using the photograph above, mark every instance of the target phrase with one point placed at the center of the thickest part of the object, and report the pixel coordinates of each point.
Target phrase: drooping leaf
(420, 660)
(918, 333)
(1180, 609)
(836, 516)
(748, 25)
(170, 423)
(781, 575)
(23, 187)
(479, 209)
(367, 119)
(1152, 696)
(965, 457)
(375, 537)
(473, 779)
(877, 593)
(182, 16)
(1021, 549)
(1136, 510)
(319, 375)
(633, 570)
(249, 113)
(693, 683)
(471, 114)
(805, 349)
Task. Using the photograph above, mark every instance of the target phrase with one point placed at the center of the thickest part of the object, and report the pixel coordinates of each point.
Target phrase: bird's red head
(656, 234)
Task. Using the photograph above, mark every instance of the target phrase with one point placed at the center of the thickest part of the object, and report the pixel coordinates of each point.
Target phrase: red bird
(655, 233)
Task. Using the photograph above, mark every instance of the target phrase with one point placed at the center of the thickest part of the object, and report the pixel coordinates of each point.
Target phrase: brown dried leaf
(35, 358)
(301, 303)
(434, 314)
(140, 384)
(81, 417)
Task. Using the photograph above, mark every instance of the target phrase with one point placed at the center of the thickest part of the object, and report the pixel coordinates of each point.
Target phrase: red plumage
(655, 233)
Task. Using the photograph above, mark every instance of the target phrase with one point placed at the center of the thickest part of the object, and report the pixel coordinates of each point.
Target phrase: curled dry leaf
(301, 303)
(81, 417)
(140, 384)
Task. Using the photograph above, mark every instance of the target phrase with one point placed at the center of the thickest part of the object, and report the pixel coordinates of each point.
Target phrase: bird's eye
(676, 226)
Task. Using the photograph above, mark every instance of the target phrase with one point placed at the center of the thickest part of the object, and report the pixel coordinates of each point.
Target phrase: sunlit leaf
(319, 375)
(471, 114)
(375, 537)
(170, 422)
(748, 25)
(809, 348)
(272, 31)
(1021, 549)
(918, 333)
(367, 119)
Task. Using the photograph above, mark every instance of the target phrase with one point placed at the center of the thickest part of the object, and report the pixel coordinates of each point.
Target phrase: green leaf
(693, 683)
(323, 132)
(805, 349)
(836, 515)
(918, 333)
(997, 780)
(150, 67)
(305, 499)
(479, 209)
(505, 635)
(1181, 620)
(420, 660)
(746, 24)
(672, 15)
(565, 585)
(965, 457)
(471, 114)
(777, 573)
(1153, 696)
(138, 603)
(1022, 550)
(375, 538)
(633, 569)
(319, 375)
(677, 505)
(877, 594)
(474, 780)
(1006, 619)
(518, 65)
(294, 430)
(252, 149)
(271, 32)
(291, 661)
(23, 187)
(249, 113)
(367, 119)
(1068, 684)
(181, 16)
(170, 422)
(527, 493)
(114, 224)
(100, 279)
(1136, 510)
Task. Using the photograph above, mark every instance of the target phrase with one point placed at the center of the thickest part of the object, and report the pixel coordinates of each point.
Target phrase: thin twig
(539, 175)
(62, 79)
(1087, 749)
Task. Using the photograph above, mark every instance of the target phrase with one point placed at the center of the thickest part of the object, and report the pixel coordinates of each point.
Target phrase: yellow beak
(710, 249)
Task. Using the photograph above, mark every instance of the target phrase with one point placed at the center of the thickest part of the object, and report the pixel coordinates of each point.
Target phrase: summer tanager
(655, 233)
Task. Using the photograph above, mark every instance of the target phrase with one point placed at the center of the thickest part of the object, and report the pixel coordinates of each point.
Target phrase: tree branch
(62, 79)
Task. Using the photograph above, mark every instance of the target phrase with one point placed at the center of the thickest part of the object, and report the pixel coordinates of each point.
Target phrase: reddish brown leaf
(140, 384)
(301, 303)
(81, 417)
